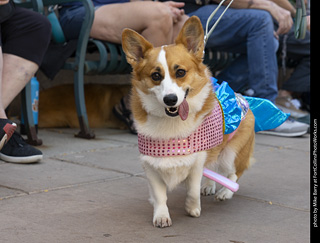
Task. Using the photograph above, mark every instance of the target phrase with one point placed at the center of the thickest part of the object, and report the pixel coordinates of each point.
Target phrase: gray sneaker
(290, 128)
(292, 106)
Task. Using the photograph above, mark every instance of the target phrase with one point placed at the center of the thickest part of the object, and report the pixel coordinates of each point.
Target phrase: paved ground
(95, 191)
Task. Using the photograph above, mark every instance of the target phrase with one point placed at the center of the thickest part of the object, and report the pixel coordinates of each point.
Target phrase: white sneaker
(290, 128)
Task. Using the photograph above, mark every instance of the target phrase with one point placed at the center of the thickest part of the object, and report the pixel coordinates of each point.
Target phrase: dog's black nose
(170, 99)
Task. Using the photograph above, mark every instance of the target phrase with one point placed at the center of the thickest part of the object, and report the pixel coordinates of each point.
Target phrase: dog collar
(208, 135)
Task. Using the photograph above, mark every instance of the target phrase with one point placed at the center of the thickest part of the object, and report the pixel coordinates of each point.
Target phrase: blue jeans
(71, 19)
(249, 33)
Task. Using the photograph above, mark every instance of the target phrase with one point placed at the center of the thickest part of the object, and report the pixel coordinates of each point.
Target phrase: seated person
(247, 29)
(294, 93)
(24, 38)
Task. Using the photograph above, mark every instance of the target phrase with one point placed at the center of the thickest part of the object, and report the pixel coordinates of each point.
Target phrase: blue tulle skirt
(235, 106)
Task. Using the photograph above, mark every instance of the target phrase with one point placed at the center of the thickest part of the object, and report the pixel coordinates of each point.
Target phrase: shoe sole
(8, 129)
(21, 160)
(3, 141)
(282, 134)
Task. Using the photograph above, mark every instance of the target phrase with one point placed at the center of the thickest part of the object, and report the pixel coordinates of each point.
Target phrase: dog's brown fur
(57, 106)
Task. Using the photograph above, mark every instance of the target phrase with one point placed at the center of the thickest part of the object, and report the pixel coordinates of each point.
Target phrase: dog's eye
(156, 76)
(180, 73)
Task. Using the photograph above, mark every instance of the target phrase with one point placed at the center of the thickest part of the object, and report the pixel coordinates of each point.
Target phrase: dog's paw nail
(195, 212)
(162, 222)
(207, 191)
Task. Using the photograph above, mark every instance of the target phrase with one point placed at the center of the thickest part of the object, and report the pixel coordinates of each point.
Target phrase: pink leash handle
(233, 186)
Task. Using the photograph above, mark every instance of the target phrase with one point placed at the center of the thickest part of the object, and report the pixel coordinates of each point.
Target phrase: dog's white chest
(174, 170)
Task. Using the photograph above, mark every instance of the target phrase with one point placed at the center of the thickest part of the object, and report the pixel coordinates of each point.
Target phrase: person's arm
(281, 15)
(176, 11)
(286, 5)
(2, 2)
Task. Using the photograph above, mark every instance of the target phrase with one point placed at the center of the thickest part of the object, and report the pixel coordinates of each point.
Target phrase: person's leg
(237, 74)
(6, 126)
(151, 19)
(299, 80)
(294, 94)
(26, 36)
(17, 72)
(2, 110)
(248, 32)
(298, 51)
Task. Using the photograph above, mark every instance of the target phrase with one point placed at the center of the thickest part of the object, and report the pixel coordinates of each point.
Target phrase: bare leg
(16, 73)
(153, 20)
(2, 112)
(6, 126)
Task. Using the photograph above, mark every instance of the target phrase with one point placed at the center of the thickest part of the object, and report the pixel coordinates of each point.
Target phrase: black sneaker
(7, 128)
(16, 150)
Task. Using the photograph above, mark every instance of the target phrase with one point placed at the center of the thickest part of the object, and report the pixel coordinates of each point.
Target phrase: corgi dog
(171, 97)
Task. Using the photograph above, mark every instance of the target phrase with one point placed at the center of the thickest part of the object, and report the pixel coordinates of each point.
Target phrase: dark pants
(25, 34)
(298, 55)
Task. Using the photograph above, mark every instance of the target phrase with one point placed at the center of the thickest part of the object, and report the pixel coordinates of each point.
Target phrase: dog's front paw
(161, 217)
(223, 194)
(162, 222)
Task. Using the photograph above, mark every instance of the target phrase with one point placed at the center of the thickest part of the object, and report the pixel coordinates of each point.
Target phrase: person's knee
(42, 27)
(261, 24)
(263, 20)
(45, 27)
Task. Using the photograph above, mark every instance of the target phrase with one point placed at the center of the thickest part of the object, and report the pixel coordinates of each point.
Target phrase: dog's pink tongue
(184, 110)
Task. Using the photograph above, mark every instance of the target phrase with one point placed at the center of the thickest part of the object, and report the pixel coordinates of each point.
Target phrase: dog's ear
(192, 36)
(134, 46)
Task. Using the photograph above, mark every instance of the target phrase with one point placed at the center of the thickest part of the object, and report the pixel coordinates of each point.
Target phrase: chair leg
(28, 116)
(81, 107)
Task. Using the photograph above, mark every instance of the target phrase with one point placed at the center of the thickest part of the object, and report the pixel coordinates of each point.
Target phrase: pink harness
(208, 135)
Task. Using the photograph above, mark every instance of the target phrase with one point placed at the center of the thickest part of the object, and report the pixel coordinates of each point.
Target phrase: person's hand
(283, 17)
(175, 10)
(3, 2)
